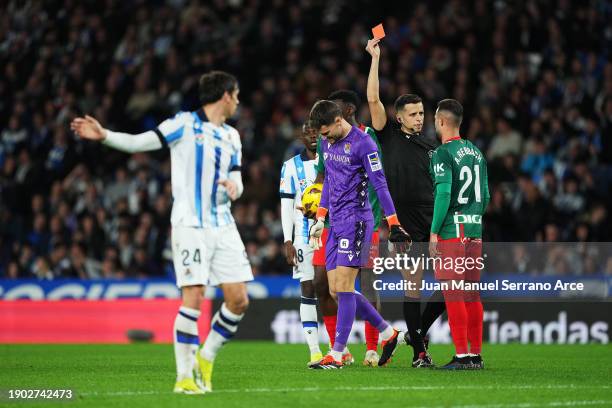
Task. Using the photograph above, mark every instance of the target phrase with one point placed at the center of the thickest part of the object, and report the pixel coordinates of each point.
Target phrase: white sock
(310, 323)
(387, 333)
(337, 355)
(223, 327)
(462, 355)
(346, 350)
(186, 341)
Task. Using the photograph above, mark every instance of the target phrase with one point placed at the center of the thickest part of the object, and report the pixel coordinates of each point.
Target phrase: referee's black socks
(412, 315)
(434, 308)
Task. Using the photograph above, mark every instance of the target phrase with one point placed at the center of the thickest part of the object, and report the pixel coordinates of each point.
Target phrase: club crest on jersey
(199, 138)
(303, 184)
(374, 160)
(347, 148)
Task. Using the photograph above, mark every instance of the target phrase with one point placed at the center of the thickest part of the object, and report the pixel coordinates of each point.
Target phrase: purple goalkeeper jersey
(350, 163)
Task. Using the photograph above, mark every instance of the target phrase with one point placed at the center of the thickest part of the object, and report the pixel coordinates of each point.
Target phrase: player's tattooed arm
(377, 109)
(434, 252)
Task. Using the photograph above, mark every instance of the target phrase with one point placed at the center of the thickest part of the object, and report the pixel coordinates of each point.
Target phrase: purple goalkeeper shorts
(348, 244)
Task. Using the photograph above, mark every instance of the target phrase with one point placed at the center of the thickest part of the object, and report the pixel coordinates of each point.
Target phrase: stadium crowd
(535, 81)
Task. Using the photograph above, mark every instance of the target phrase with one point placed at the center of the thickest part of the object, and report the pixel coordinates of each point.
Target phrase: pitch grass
(263, 374)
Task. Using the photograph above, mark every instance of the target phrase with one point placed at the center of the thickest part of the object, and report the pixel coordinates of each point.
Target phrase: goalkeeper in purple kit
(351, 162)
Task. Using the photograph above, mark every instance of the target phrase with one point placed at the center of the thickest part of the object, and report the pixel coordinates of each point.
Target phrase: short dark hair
(346, 96)
(323, 113)
(406, 99)
(453, 107)
(307, 125)
(213, 85)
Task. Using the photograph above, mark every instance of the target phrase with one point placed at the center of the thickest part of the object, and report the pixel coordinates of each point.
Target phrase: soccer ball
(311, 198)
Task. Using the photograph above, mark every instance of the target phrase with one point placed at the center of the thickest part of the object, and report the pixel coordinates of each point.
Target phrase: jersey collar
(202, 115)
(409, 136)
(304, 156)
(453, 138)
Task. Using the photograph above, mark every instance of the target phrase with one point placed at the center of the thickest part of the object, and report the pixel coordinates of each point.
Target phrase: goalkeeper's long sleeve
(129, 143)
(376, 176)
(441, 204)
(287, 218)
(324, 203)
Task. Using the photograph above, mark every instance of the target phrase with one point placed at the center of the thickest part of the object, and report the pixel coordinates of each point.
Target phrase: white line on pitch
(531, 404)
(370, 388)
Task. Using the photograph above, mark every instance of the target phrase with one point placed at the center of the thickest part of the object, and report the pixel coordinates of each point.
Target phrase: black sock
(434, 308)
(412, 315)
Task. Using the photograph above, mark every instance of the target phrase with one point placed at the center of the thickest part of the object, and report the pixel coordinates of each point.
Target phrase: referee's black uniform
(405, 160)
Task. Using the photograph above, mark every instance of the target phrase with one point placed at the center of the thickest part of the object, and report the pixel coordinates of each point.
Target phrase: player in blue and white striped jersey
(298, 173)
(205, 155)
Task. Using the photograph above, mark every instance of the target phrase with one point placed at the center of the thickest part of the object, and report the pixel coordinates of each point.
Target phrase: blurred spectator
(569, 201)
(13, 135)
(506, 141)
(537, 159)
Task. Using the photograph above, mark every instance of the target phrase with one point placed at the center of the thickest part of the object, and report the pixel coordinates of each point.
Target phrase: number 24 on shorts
(188, 260)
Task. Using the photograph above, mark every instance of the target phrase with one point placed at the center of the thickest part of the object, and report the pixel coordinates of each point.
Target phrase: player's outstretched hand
(400, 239)
(230, 187)
(88, 128)
(372, 47)
(314, 234)
(290, 253)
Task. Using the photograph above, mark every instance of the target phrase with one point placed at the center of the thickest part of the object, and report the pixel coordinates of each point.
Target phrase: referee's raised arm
(377, 109)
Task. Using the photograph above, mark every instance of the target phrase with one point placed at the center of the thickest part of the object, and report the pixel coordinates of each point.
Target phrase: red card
(378, 31)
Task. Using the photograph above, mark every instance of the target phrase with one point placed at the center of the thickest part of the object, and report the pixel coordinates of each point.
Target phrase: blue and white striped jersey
(201, 154)
(298, 173)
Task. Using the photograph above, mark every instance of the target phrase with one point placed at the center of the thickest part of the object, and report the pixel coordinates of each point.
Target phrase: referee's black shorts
(416, 220)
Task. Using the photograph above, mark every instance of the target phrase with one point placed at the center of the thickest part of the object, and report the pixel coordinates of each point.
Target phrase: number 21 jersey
(460, 165)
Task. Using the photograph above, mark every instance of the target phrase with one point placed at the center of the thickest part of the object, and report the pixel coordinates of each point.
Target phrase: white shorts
(209, 256)
(304, 271)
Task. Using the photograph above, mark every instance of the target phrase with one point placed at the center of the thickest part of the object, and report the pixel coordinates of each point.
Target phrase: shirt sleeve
(287, 182)
(321, 162)
(324, 203)
(170, 131)
(382, 133)
(442, 167)
(370, 159)
(129, 143)
(287, 210)
(442, 171)
(485, 182)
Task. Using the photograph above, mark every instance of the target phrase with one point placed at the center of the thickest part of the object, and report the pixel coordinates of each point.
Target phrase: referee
(406, 156)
